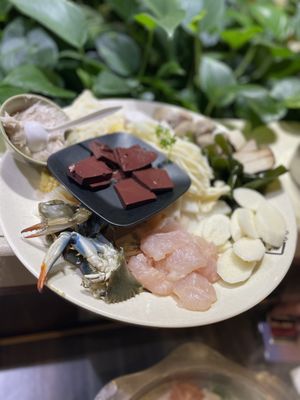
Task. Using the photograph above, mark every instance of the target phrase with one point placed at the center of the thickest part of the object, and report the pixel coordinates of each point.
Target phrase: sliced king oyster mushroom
(256, 161)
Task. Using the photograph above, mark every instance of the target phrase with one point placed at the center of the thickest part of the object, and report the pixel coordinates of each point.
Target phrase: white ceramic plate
(18, 209)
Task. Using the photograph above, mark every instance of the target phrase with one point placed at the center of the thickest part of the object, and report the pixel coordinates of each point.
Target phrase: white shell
(249, 249)
(248, 198)
(233, 269)
(270, 225)
(216, 229)
(247, 223)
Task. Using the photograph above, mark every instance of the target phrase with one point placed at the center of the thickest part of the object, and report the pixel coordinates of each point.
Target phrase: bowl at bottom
(197, 365)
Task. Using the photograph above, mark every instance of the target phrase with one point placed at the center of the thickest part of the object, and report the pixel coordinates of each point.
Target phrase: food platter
(19, 199)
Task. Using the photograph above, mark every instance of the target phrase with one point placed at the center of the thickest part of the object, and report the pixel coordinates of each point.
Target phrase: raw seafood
(176, 262)
(194, 292)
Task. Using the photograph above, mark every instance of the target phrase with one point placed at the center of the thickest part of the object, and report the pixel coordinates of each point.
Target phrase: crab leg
(53, 253)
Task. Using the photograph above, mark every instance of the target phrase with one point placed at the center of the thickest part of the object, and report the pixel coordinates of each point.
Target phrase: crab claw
(53, 253)
(40, 229)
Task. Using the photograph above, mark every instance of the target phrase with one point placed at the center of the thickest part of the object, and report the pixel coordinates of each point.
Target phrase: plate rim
(293, 228)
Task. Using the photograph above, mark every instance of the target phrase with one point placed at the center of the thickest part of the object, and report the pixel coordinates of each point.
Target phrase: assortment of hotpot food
(219, 230)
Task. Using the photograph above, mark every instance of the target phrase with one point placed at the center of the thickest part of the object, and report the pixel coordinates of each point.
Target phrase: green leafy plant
(223, 58)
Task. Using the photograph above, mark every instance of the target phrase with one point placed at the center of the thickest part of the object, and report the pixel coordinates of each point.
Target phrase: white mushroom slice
(262, 164)
(256, 161)
(205, 139)
(270, 224)
(233, 269)
(249, 249)
(216, 229)
(249, 146)
(236, 138)
(247, 223)
(235, 229)
(248, 198)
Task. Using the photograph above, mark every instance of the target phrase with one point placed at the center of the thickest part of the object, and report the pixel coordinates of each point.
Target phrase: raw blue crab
(103, 266)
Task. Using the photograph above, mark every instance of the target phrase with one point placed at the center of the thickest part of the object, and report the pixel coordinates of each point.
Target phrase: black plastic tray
(106, 203)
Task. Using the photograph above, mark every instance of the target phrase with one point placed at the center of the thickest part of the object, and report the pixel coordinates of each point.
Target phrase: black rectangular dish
(106, 203)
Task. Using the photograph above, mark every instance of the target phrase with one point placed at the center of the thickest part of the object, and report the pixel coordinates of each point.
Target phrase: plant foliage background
(235, 58)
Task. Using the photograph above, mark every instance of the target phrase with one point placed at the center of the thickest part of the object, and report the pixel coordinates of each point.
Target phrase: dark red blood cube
(154, 179)
(133, 158)
(118, 175)
(132, 194)
(99, 185)
(102, 152)
(89, 170)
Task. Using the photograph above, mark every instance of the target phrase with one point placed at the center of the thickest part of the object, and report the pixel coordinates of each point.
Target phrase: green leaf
(95, 23)
(263, 105)
(170, 68)
(215, 79)
(168, 14)
(62, 17)
(273, 19)
(119, 52)
(193, 10)
(265, 178)
(146, 20)
(85, 77)
(124, 9)
(288, 91)
(215, 15)
(236, 38)
(19, 47)
(263, 134)
(5, 7)
(7, 91)
(109, 84)
(30, 78)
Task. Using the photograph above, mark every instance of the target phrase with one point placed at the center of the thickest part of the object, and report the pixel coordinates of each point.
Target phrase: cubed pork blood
(89, 170)
(154, 179)
(102, 152)
(99, 185)
(134, 158)
(132, 194)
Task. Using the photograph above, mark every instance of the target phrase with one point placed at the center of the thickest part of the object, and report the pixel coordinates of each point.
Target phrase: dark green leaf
(263, 105)
(85, 78)
(193, 13)
(223, 143)
(214, 17)
(236, 38)
(30, 78)
(273, 19)
(7, 91)
(5, 7)
(146, 20)
(288, 91)
(119, 52)
(170, 68)
(264, 179)
(215, 79)
(168, 14)
(62, 17)
(95, 22)
(262, 135)
(109, 84)
(125, 9)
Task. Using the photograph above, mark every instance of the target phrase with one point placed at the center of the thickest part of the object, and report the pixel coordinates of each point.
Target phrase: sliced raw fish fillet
(194, 255)
(194, 292)
(159, 245)
(149, 277)
(184, 260)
